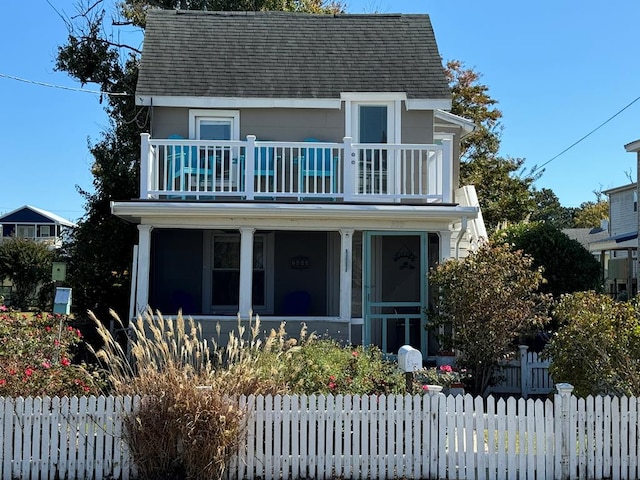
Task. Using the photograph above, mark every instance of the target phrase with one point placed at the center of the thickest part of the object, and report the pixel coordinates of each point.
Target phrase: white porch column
(349, 169)
(144, 268)
(445, 244)
(246, 271)
(346, 267)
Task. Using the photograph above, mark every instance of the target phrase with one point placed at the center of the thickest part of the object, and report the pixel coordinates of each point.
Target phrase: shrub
(568, 266)
(597, 346)
(324, 366)
(444, 375)
(36, 357)
(487, 301)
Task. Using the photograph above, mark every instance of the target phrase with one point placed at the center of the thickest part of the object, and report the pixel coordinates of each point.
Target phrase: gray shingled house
(303, 167)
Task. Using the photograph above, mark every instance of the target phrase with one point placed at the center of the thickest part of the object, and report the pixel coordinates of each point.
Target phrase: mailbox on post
(62, 301)
(409, 359)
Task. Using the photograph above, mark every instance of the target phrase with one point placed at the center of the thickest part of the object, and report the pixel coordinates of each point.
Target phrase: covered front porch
(356, 275)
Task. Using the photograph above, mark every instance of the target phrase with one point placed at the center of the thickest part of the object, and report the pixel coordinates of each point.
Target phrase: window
(635, 201)
(45, 230)
(26, 231)
(224, 281)
(214, 124)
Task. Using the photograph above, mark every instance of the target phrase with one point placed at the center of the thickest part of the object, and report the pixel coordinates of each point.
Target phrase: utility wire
(73, 89)
(538, 167)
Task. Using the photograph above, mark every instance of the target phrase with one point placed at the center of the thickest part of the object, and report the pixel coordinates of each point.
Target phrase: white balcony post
(447, 174)
(249, 167)
(246, 271)
(144, 267)
(346, 267)
(349, 168)
(145, 178)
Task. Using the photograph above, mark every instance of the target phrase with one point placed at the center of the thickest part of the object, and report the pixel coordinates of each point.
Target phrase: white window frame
(20, 230)
(43, 228)
(268, 256)
(198, 115)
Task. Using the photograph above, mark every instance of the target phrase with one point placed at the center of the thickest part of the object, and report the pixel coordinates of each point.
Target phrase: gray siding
(623, 218)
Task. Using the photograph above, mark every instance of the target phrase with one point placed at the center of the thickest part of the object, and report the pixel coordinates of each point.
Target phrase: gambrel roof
(288, 55)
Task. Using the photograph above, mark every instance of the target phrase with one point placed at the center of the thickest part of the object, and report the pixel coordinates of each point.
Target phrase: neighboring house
(36, 224)
(302, 167)
(618, 250)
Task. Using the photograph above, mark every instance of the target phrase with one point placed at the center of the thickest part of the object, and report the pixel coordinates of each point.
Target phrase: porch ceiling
(292, 216)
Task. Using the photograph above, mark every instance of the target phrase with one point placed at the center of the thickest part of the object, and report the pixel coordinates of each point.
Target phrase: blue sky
(557, 68)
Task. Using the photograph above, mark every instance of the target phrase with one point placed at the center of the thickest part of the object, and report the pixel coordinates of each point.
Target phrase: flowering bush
(36, 354)
(444, 375)
(324, 366)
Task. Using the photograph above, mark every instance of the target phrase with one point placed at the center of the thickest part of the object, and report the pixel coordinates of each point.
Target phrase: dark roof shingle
(285, 55)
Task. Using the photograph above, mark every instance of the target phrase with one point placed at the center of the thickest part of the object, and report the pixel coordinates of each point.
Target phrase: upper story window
(635, 201)
(214, 124)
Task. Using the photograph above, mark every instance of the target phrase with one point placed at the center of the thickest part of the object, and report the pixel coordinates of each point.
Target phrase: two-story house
(300, 167)
(618, 250)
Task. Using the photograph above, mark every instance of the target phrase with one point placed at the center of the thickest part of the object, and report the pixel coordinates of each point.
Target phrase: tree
(99, 252)
(597, 346)
(487, 300)
(568, 266)
(550, 211)
(504, 188)
(28, 265)
(591, 214)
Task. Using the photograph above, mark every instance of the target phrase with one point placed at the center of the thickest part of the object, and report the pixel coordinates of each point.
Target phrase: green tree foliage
(504, 188)
(568, 266)
(550, 211)
(99, 253)
(28, 265)
(597, 348)
(488, 300)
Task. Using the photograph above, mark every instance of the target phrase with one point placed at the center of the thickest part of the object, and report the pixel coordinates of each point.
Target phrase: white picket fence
(386, 437)
(525, 375)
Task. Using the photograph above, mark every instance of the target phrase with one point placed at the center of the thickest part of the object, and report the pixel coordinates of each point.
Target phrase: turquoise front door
(395, 290)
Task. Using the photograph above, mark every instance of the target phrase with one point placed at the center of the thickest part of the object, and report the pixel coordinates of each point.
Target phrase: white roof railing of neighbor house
(311, 170)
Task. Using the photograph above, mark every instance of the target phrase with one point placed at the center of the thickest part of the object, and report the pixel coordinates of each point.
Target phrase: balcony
(295, 171)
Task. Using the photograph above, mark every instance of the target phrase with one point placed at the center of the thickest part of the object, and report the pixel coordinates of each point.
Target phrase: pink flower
(56, 342)
(79, 333)
(47, 328)
(65, 362)
(3, 308)
(425, 388)
(332, 385)
(85, 388)
(28, 372)
(446, 368)
(2, 381)
(354, 353)
(46, 364)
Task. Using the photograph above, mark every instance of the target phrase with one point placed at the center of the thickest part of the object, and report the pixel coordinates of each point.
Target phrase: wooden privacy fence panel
(355, 437)
(50, 438)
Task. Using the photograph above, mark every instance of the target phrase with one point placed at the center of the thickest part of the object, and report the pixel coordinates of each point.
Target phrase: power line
(73, 89)
(587, 135)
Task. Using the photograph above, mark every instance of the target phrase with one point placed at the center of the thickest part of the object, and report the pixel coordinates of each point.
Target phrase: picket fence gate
(525, 375)
(369, 437)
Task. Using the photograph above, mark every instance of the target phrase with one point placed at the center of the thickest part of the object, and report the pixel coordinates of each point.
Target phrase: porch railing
(251, 169)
